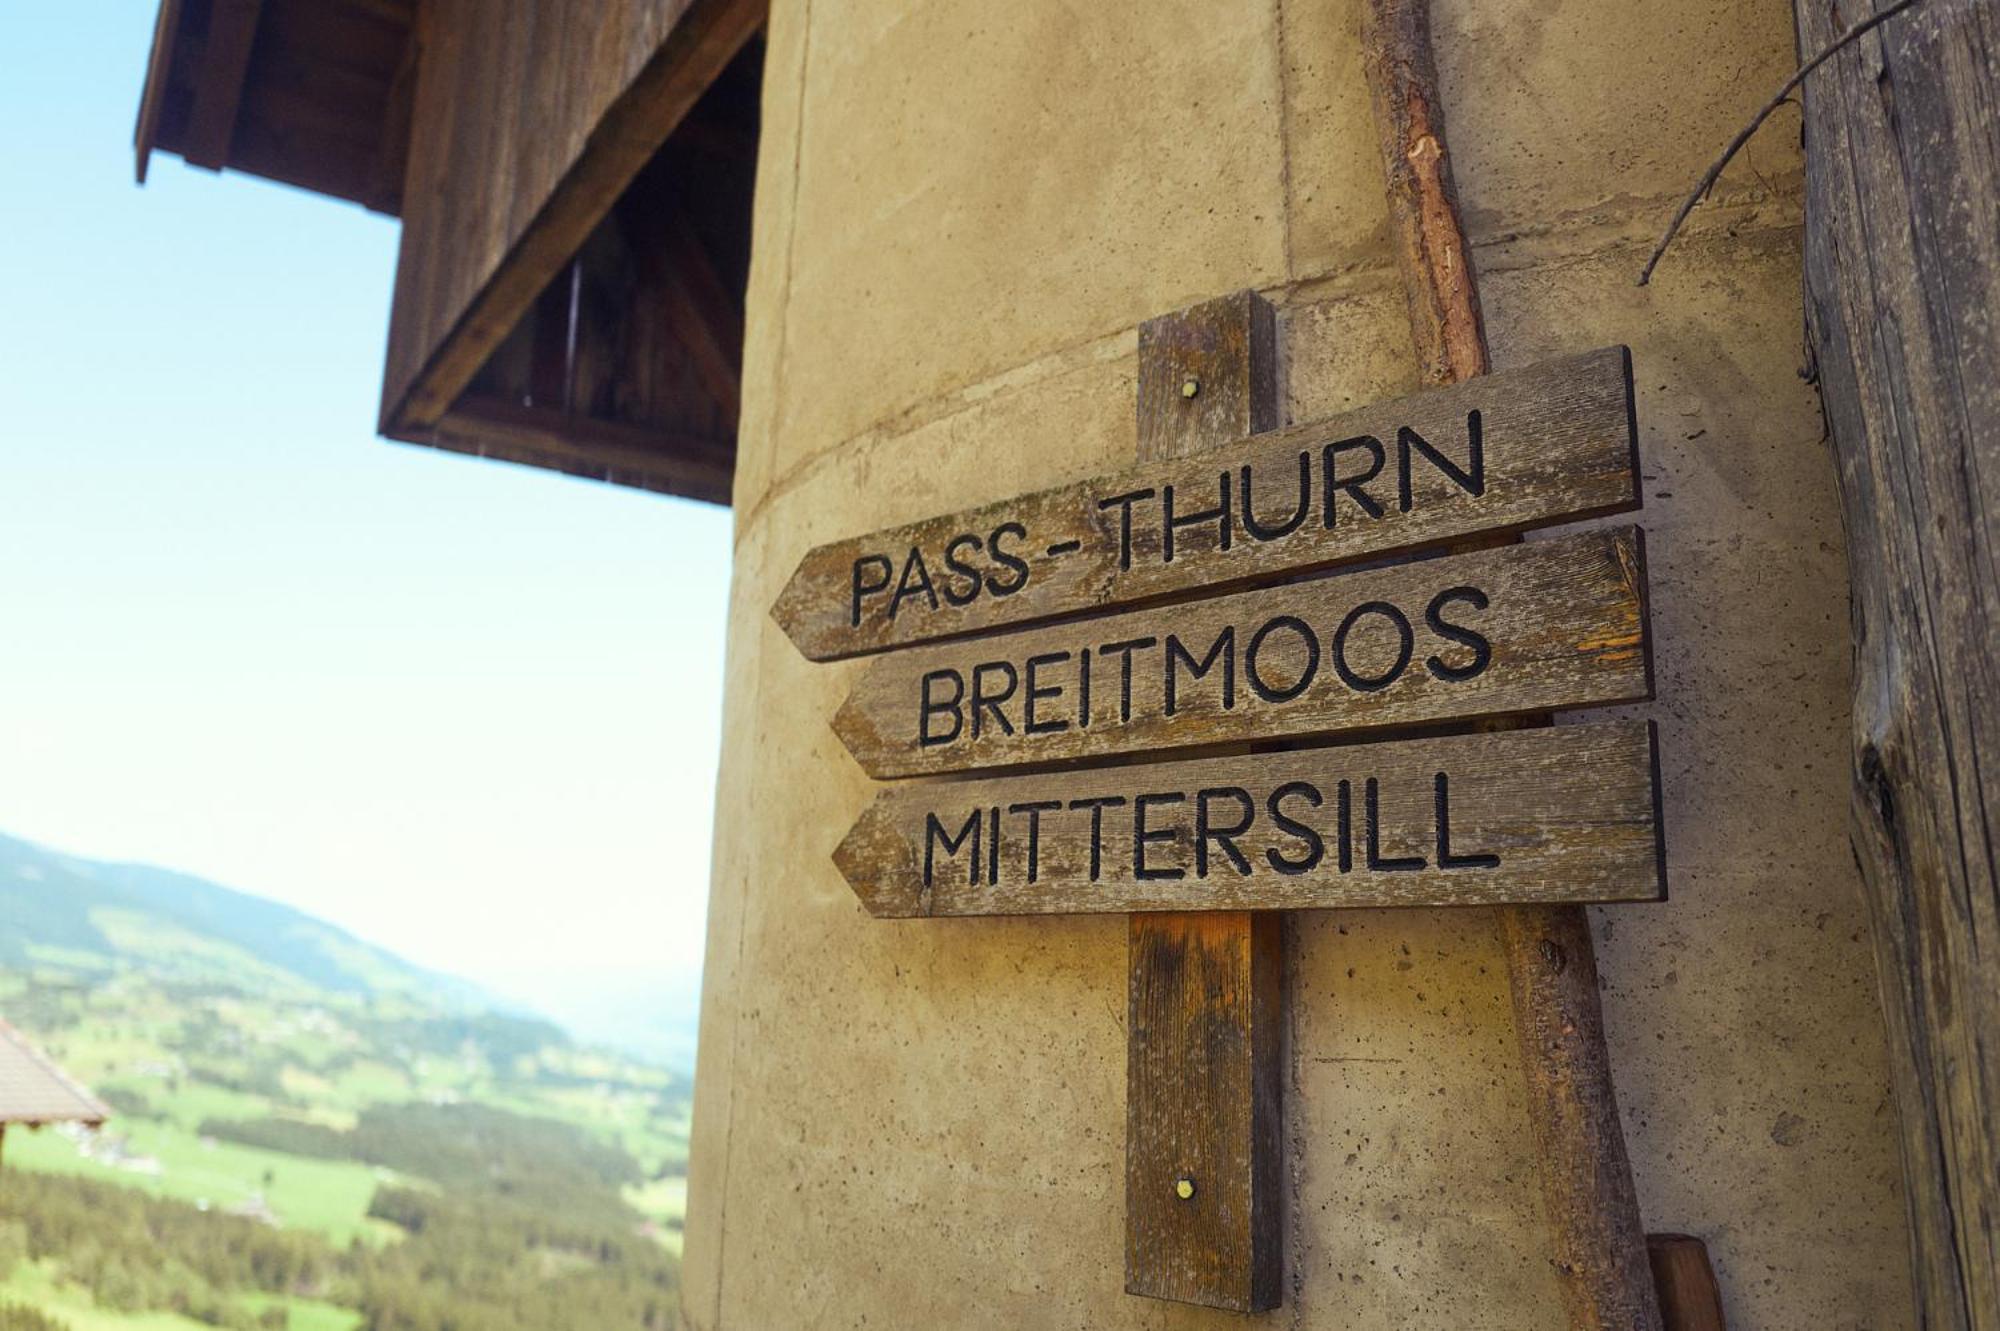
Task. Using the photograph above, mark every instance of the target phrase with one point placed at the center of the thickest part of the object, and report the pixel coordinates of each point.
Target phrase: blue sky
(466, 709)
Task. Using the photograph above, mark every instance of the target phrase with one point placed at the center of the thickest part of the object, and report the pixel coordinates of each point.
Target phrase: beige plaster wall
(964, 209)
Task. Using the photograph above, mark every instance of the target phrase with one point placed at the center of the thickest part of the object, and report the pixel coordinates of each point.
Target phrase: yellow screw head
(1190, 387)
(1184, 1188)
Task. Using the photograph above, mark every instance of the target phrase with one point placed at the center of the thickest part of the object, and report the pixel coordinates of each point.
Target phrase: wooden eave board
(626, 455)
(159, 68)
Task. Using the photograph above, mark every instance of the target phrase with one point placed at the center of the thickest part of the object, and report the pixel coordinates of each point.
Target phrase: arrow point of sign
(791, 609)
(866, 858)
(858, 732)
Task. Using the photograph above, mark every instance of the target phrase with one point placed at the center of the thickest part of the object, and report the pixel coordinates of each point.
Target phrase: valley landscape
(310, 1134)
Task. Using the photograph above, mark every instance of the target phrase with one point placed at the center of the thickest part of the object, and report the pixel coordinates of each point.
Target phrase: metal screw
(1190, 387)
(1184, 1188)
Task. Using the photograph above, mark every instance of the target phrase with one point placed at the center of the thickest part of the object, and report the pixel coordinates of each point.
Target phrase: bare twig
(1778, 98)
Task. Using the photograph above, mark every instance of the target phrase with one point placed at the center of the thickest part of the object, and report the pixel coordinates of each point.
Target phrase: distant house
(35, 1092)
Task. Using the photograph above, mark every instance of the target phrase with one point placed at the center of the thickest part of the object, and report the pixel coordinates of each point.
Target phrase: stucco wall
(964, 210)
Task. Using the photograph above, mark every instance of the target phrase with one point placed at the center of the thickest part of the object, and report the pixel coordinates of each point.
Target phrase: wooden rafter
(218, 93)
(392, 155)
(679, 273)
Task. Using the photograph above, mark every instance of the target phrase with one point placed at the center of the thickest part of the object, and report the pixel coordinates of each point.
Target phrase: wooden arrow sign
(1523, 628)
(1506, 452)
(1556, 814)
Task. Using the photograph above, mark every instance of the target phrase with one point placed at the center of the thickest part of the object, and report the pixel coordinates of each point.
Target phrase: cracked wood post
(1903, 311)
(1204, 1127)
(1587, 1186)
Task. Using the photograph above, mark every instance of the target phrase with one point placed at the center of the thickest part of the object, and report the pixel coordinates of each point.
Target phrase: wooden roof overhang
(314, 93)
(574, 182)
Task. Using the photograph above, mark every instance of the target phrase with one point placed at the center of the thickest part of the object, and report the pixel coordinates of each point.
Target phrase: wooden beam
(552, 342)
(713, 324)
(159, 70)
(1204, 1119)
(692, 466)
(706, 316)
(392, 150)
(716, 137)
(1593, 1208)
(389, 11)
(703, 42)
(218, 91)
(1204, 1199)
(1902, 292)
(1690, 1300)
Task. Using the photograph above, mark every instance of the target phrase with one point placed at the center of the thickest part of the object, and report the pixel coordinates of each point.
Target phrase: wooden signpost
(1168, 607)
(1522, 629)
(1509, 452)
(1192, 606)
(1562, 814)
(1205, 991)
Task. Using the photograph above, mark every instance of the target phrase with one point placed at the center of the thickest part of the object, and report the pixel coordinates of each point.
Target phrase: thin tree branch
(1778, 98)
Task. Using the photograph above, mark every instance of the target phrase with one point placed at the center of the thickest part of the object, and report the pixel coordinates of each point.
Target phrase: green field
(37, 1285)
(308, 1135)
(326, 1196)
(304, 1314)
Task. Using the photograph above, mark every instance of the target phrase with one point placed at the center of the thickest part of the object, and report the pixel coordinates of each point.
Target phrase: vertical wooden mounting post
(1600, 1245)
(1902, 290)
(1203, 1117)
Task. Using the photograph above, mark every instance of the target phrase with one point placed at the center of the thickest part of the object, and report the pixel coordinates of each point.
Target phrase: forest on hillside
(309, 1135)
(536, 1239)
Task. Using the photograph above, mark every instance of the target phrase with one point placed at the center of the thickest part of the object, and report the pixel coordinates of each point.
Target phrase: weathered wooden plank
(1593, 1209)
(668, 461)
(159, 69)
(1208, 375)
(679, 274)
(595, 88)
(1203, 1107)
(1599, 1245)
(1690, 1300)
(1902, 291)
(392, 151)
(1562, 814)
(218, 91)
(1510, 451)
(1526, 628)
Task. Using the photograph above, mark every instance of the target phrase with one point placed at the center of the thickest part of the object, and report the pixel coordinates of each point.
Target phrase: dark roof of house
(314, 93)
